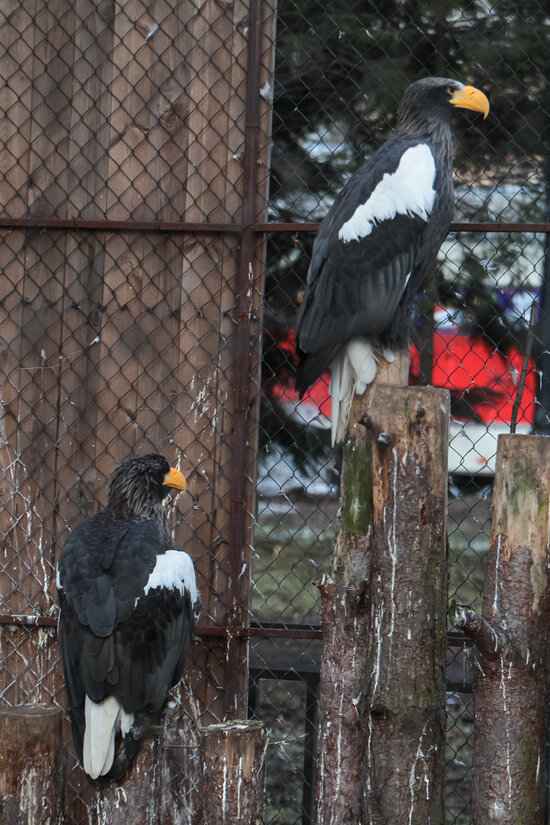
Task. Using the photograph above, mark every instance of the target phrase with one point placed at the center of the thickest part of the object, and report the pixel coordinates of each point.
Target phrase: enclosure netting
(143, 149)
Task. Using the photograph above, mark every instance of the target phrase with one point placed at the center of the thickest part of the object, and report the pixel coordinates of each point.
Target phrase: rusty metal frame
(232, 631)
(238, 558)
(248, 225)
(237, 628)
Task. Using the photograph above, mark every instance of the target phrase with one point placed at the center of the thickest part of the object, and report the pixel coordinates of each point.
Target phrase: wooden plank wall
(114, 342)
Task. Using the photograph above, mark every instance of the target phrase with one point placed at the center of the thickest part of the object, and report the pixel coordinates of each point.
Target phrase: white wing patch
(173, 570)
(407, 191)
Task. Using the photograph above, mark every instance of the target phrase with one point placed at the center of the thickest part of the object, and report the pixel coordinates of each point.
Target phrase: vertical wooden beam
(222, 288)
(310, 746)
(511, 688)
(33, 262)
(31, 766)
(382, 718)
(114, 342)
(78, 485)
(244, 419)
(233, 777)
(182, 787)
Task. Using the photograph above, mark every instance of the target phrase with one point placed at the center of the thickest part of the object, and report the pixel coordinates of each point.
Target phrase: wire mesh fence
(135, 149)
(131, 298)
(340, 73)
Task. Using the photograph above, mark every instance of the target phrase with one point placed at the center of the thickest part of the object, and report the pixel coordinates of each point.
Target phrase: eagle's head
(139, 485)
(433, 100)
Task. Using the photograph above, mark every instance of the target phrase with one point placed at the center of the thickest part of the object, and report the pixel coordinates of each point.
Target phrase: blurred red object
(481, 377)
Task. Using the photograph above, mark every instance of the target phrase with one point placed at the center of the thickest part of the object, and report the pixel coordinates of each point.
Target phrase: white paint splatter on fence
(239, 786)
(339, 745)
(224, 789)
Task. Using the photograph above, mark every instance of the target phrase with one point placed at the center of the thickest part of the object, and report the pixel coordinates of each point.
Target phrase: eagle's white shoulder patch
(173, 570)
(407, 191)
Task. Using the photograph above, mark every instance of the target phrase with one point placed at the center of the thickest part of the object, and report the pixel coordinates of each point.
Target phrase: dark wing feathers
(336, 309)
(355, 288)
(73, 684)
(98, 606)
(105, 564)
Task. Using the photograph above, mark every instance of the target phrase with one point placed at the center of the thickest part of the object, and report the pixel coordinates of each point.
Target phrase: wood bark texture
(382, 720)
(511, 688)
(31, 766)
(136, 799)
(233, 776)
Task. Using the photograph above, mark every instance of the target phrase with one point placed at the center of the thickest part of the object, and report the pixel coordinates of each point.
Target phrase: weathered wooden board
(112, 342)
(233, 756)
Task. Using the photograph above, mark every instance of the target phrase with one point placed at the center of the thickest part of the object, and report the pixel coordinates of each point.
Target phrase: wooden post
(31, 766)
(135, 799)
(382, 719)
(233, 778)
(511, 689)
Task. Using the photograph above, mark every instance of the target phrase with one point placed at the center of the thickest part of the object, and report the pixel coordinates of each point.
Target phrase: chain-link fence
(135, 147)
(340, 72)
(135, 155)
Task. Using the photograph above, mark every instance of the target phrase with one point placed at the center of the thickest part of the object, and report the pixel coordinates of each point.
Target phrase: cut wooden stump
(233, 776)
(31, 766)
(135, 799)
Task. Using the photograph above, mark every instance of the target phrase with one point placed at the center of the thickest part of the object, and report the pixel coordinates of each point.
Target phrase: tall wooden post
(382, 722)
(511, 689)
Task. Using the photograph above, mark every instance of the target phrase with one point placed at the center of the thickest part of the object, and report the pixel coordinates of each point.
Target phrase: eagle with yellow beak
(376, 245)
(127, 598)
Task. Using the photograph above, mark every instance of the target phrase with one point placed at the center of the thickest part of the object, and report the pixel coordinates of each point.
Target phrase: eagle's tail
(353, 369)
(103, 721)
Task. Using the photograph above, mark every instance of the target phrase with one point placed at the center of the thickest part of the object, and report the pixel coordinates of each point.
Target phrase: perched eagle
(376, 244)
(127, 598)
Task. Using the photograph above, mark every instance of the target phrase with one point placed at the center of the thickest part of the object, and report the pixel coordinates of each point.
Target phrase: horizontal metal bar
(28, 620)
(285, 227)
(40, 620)
(218, 631)
(455, 638)
(84, 224)
(529, 228)
(455, 227)
(261, 632)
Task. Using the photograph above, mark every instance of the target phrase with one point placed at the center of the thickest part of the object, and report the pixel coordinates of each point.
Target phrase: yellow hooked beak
(470, 98)
(174, 478)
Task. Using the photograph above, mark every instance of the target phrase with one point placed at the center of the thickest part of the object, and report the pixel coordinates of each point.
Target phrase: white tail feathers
(352, 371)
(103, 721)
